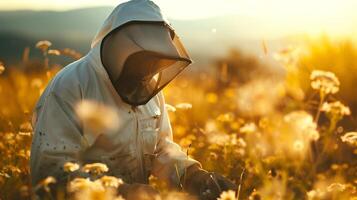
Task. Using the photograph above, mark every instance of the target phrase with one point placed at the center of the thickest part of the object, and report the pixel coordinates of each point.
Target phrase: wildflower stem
(240, 183)
(322, 98)
(333, 124)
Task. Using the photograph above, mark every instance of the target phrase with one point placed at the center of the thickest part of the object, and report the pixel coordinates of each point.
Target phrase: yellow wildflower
(219, 139)
(324, 81)
(2, 67)
(95, 168)
(25, 133)
(25, 129)
(184, 106)
(24, 153)
(170, 108)
(54, 52)
(336, 187)
(227, 117)
(248, 128)
(110, 181)
(336, 109)
(46, 182)
(3, 174)
(43, 45)
(71, 53)
(79, 184)
(350, 138)
(36, 83)
(9, 138)
(227, 195)
(70, 167)
(315, 194)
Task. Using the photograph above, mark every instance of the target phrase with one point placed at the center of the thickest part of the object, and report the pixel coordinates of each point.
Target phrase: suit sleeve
(171, 162)
(57, 139)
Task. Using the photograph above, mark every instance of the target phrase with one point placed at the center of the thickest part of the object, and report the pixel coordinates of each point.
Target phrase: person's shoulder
(69, 82)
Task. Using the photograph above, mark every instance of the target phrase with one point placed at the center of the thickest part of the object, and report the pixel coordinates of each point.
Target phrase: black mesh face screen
(145, 74)
(154, 56)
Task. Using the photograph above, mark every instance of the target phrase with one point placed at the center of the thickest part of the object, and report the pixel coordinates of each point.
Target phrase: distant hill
(74, 24)
(73, 29)
(205, 38)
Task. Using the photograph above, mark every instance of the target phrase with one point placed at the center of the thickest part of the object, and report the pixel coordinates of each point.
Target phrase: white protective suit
(142, 146)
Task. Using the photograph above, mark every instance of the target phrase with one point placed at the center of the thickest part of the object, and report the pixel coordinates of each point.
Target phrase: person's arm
(57, 139)
(171, 162)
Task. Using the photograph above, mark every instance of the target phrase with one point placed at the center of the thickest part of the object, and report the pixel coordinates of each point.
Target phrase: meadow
(289, 136)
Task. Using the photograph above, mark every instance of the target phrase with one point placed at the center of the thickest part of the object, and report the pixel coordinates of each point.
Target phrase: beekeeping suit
(145, 55)
(142, 145)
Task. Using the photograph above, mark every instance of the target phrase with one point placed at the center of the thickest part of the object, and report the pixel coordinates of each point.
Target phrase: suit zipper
(139, 145)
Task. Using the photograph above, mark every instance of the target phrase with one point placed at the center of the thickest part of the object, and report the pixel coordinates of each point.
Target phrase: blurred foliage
(277, 139)
(239, 68)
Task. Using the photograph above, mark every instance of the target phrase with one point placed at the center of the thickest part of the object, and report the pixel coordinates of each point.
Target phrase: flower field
(291, 137)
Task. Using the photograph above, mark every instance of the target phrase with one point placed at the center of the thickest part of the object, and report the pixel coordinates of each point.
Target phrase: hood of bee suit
(150, 53)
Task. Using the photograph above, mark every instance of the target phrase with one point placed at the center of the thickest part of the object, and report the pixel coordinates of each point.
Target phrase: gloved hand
(206, 185)
(138, 192)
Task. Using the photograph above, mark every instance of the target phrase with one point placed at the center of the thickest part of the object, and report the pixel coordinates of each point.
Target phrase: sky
(312, 16)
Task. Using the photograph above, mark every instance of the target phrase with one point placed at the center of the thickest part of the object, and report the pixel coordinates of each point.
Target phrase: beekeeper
(135, 54)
